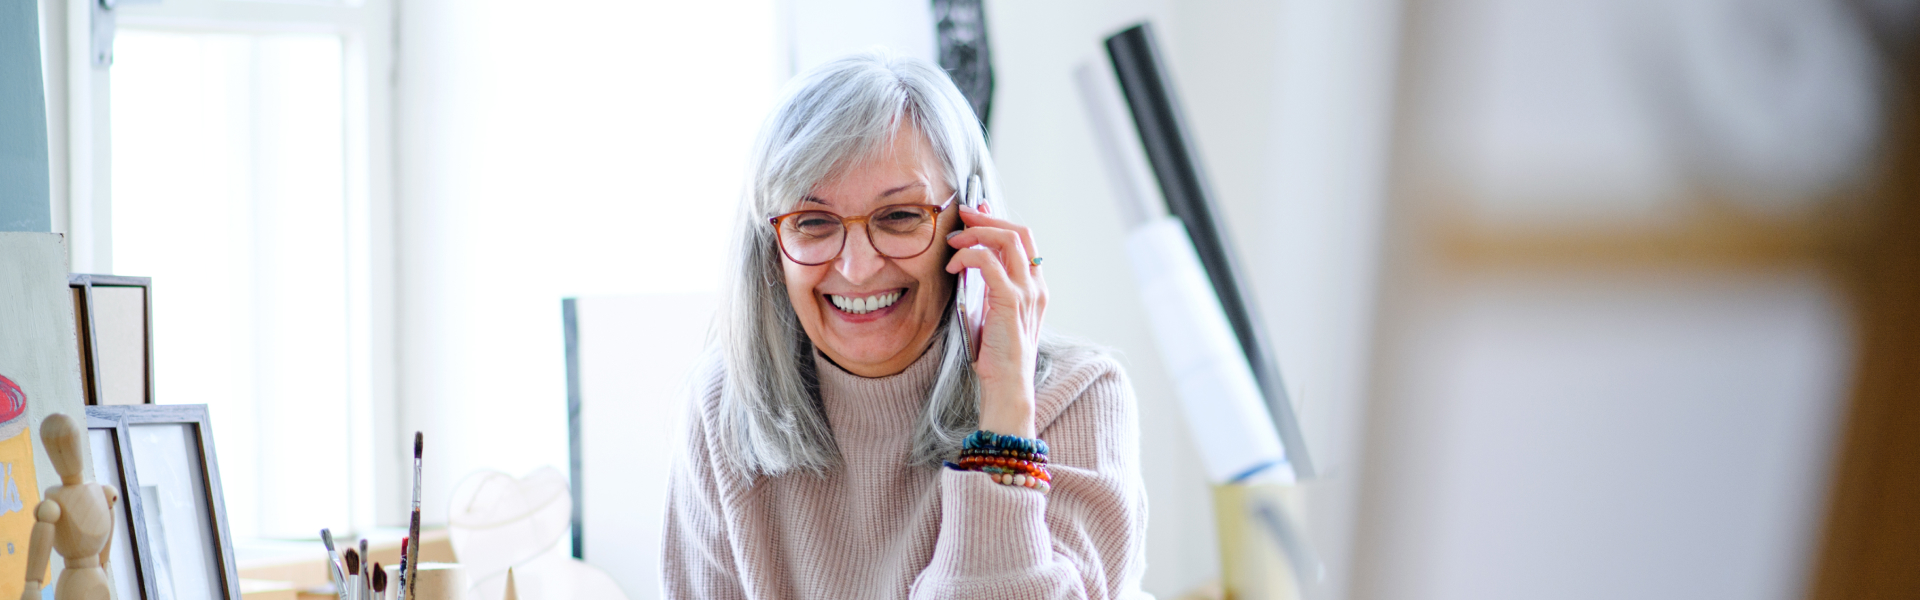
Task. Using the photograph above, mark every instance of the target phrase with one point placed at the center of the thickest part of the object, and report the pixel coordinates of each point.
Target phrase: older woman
(842, 444)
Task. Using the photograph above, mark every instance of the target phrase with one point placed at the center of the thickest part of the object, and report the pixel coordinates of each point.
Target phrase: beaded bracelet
(984, 463)
(1022, 481)
(987, 440)
(1015, 454)
(990, 465)
(1007, 459)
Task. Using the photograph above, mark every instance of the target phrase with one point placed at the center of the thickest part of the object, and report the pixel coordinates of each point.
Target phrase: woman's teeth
(861, 306)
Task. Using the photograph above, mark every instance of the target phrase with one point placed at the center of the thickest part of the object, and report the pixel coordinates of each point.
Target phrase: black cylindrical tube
(1156, 113)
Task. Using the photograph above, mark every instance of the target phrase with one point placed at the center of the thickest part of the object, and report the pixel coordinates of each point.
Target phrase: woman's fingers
(989, 264)
(1002, 290)
(974, 218)
(1011, 248)
(1006, 244)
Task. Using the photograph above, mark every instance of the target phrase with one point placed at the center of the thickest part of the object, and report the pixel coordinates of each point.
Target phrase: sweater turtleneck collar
(877, 407)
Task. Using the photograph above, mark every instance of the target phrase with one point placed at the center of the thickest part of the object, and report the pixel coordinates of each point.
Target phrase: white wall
(817, 31)
(549, 150)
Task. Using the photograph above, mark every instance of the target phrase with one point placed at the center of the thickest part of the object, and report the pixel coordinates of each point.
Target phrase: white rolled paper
(1224, 408)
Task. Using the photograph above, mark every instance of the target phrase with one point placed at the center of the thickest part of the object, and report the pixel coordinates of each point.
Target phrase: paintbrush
(366, 578)
(413, 528)
(379, 582)
(353, 574)
(333, 564)
(400, 574)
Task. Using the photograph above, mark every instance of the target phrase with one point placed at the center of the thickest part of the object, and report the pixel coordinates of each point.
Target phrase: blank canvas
(120, 333)
(636, 354)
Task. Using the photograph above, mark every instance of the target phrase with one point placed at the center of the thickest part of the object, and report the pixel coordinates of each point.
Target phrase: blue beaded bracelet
(987, 440)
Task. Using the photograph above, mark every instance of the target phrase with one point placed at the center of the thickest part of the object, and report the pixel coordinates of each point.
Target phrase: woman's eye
(900, 218)
(814, 224)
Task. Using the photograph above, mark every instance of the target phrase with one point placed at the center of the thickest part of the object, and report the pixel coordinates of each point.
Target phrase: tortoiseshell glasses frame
(902, 231)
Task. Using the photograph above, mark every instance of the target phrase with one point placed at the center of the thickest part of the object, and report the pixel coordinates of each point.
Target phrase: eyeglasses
(816, 237)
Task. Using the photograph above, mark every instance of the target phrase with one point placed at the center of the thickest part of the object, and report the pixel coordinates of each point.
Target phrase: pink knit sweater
(876, 527)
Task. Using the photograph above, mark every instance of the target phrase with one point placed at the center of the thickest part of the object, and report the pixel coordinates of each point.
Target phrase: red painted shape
(13, 400)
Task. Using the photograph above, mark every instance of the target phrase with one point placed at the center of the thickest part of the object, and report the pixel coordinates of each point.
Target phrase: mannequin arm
(112, 497)
(41, 545)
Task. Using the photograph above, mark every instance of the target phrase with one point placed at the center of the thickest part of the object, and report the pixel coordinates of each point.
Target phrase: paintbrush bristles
(379, 579)
(418, 440)
(353, 562)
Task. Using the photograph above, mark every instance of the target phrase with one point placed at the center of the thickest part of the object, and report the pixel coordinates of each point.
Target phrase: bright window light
(229, 190)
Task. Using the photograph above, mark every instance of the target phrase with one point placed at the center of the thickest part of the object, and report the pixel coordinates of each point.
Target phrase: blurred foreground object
(1871, 546)
(500, 525)
(1619, 322)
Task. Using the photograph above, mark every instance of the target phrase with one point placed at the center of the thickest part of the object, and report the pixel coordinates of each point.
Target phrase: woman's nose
(858, 260)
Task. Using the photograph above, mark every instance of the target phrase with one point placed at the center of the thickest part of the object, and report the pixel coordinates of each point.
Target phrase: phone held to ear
(970, 297)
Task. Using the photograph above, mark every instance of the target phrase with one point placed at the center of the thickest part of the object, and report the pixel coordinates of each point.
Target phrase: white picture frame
(179, 530)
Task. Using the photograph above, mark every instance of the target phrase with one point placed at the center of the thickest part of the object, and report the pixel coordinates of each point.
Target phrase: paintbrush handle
(413, 528)
(413, 555)
(337, 575)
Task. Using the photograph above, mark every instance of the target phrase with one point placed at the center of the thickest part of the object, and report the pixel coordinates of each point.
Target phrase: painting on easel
(39, 376)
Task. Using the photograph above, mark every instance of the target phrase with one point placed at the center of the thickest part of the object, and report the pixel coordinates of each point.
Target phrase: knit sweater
(877, 527)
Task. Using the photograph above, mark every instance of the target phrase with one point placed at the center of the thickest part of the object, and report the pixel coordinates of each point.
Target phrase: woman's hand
(1016, 301)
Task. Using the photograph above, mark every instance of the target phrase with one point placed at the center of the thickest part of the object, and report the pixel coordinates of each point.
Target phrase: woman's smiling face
(871, 314)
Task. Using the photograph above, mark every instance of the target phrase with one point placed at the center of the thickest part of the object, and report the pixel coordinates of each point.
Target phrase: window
(245, 141)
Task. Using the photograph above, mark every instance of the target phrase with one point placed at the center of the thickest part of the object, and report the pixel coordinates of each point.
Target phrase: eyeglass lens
(899, 231)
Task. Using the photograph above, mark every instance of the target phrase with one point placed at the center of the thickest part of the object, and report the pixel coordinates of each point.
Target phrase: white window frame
(366, 30)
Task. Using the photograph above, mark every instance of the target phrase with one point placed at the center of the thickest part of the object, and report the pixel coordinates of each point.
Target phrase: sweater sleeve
(1085, 539)
(697, 559)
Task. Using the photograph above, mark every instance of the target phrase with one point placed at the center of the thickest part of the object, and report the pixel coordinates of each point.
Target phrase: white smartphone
(970, 297)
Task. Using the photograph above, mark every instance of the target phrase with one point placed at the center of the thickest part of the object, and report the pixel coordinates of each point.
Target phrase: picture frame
(113, 317)
(130, 571)
(183, 539)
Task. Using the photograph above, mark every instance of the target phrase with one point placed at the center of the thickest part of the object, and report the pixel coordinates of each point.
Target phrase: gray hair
(833, 116)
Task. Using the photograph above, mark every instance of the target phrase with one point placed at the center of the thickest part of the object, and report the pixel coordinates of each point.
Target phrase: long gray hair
(827, 119)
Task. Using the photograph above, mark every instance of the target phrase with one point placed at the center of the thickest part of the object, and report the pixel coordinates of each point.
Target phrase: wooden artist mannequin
(76, 518)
